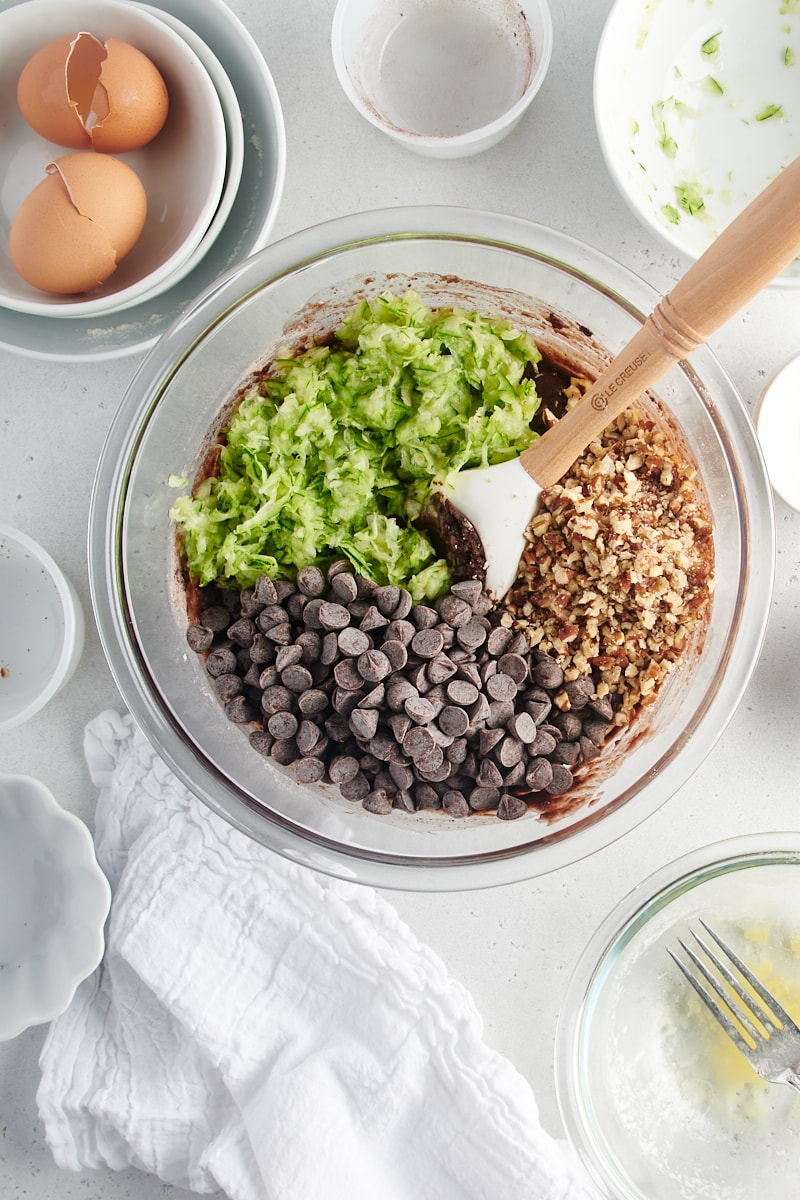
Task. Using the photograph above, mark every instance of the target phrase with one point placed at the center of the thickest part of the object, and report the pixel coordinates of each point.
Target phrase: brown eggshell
(43, 99)
(73, 229)
(78, 92)
(137, 100)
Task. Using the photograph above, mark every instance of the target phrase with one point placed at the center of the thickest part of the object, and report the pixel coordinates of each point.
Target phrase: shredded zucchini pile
(336, 454)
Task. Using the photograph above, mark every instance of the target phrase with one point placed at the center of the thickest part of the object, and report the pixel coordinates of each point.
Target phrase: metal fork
(774, 1046)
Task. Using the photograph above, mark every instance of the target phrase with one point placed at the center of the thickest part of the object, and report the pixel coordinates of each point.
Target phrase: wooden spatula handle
(746, 256)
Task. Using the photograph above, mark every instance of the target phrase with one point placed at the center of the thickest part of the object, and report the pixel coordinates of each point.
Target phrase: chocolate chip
(347, 675)
(455, 803)
(498, 640)
(288, 656)
(356, 788)
(282, 725)
(308, 736)
(511, 807)
(372, 620)
(228, 686)
(344, 587)
(262, 741)
(216, 618)
(352, 641)
(310, 770)
(548, 674)
(523, 727)
(297, 678)
(403, 606)
(264, 590)
(373, 666)
(419, 709)
(277, 699)
(427, 797)
(427, 643)
(472, 635)
(310, 581)
(418, 742)
(395, 652)
(377, 802)
(462, 692)
(401, 631)
(454, 610)
(501, 687)
(364, 722)
(482, 799)
(240, 710)
(333, 615)
(313, 702)
(453, 720)
(200, 638)
(221, 662)
(514, 665)
(468, 589)
(284, 751)
(539, 774)
(342, 769)
(242, 632)
(579, 691)
(561, 781)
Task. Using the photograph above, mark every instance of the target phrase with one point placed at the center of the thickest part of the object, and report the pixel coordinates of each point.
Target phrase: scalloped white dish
(54, 900)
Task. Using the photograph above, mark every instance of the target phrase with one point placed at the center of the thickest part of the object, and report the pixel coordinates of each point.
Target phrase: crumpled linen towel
(258, 1028)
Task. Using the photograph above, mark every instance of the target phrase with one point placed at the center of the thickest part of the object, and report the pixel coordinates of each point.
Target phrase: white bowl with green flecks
(697, 107)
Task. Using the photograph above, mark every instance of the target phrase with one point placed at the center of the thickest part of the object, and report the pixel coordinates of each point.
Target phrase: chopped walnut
(618, 571)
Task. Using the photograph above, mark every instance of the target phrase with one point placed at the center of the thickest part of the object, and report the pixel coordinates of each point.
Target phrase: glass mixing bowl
(654, 1095)
(300, 287)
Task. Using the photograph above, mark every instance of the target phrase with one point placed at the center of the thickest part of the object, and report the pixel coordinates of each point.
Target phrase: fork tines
(761, 1006)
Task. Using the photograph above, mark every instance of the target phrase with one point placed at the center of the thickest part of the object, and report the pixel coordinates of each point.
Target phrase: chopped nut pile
(618, 571)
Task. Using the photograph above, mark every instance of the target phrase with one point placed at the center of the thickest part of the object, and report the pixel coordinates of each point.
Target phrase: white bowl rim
(73, 625)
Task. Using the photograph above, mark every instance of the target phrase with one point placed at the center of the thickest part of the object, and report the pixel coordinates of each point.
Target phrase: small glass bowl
(42, 629)
(300, 288)
(655, 1097)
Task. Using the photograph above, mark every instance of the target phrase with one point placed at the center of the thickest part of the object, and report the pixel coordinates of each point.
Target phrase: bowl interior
(182, 169)
(295, 289)
(42, 629)
(696, 110)
(655, 1096)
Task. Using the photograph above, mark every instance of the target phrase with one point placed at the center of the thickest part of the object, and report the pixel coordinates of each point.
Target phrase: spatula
(758, 244)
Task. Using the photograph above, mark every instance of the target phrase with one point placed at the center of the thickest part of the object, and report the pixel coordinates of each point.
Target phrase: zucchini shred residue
(335, 451)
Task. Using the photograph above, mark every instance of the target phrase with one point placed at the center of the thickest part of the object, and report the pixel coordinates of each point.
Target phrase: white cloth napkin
(261, 1029)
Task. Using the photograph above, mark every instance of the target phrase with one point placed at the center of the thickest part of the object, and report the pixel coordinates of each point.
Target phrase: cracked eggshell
(74, 228)
(81, 93)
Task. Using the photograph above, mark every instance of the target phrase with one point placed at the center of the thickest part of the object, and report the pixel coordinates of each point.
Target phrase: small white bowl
(777, 419)
(183, 169)
(697, 107)
(41, 631)
(445, 78)
(54, 900)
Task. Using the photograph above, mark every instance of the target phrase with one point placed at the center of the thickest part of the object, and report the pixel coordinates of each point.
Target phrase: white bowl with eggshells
(182, 170)
(697, 107)
(656, 1098)
(54, 900)
(443, 78)
(41, 631)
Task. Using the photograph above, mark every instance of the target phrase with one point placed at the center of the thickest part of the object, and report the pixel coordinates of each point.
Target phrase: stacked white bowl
(191, 171)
